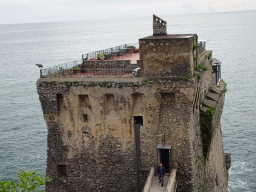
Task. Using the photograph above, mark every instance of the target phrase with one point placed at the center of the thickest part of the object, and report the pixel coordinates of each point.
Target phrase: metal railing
(106, 52)
(74, 68)
(60, 68)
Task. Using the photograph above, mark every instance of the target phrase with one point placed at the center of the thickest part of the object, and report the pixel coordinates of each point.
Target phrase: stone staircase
(212, 96)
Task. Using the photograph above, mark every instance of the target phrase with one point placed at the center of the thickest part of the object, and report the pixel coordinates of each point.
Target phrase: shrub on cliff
(29, 182)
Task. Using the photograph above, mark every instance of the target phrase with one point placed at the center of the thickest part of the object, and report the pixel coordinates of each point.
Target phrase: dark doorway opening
(165, 159)
(61, 170)
(59, 101)
(138, 120)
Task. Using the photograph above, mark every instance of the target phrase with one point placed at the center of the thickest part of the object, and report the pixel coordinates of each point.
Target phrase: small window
(61, 170)
(85, 117)
(138, 120)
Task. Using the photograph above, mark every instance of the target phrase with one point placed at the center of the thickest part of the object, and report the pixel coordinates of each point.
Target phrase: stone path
(157, 187)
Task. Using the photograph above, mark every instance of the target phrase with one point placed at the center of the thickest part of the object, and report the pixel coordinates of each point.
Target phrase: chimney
(159, 26)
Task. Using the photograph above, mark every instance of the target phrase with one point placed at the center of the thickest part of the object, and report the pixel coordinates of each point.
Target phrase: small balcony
(216, 71)
(201, 46)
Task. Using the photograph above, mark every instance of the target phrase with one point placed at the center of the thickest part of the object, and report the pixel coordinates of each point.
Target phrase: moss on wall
(206, 128)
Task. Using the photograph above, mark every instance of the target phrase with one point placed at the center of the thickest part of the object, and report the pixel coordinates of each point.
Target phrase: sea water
(23, 131)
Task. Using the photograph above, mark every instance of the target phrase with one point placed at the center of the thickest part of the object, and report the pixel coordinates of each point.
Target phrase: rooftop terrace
(119, 61)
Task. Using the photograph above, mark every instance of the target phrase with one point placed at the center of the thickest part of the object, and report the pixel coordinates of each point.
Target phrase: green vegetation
(136, 85)
(84, 85)
(201, 163)
(101, 57)
(198, 75)
(195, 46)
(147, 80)
(224, 89)
(132, 47)
(209, 56)
(109, 85)
(51, 82)
(224, 84)
(202, 66)
(206, 128)
(75, 82)
(186, 79)
(29, 182)
(54, 75)
(91, 84)
(106, 84)
(195, 58)
(206, 131)
(68, 83)
(76, 68)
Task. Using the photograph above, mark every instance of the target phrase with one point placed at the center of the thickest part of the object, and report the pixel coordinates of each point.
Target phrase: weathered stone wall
(91, 133)
(100, 151)
(167, 56)
(206, 76)
(215, 164)
(210, 175)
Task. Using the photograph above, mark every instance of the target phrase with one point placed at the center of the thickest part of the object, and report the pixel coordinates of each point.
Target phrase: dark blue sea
(23, 131)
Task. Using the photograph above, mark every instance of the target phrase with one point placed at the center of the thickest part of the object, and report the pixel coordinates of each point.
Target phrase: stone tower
(104, 134)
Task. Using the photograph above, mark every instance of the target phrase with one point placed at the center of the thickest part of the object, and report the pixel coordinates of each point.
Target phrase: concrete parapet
(149, 181)
(172, 183)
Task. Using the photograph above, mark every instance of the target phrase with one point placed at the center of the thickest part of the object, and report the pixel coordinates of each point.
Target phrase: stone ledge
(209, 103)
(212, 96)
